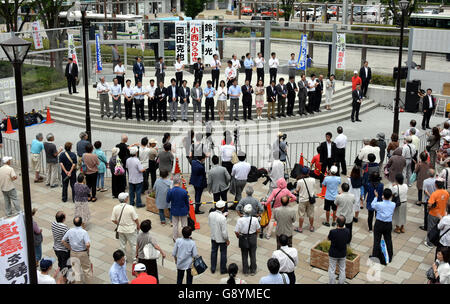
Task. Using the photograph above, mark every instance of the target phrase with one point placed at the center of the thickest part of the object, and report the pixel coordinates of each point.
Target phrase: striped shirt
(58, 231)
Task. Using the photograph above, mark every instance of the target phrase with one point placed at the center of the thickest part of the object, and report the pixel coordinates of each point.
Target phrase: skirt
(151, 267)
(399, 218)
(82, 210)
(259, 102)
(357, 203)
(222, 105)
(118, 184)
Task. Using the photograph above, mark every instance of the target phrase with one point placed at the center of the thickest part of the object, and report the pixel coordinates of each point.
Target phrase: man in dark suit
(271, 95)
(327, 152)
(291, 89)
(161, 94)
(247, 92)
(318, 94)
(138, 70)
(302, 93)
(160, 68)
(356, 104)
(172, 98)
(282, 94)
(71, 75)
(184, 93)
(428, 106)
(198, 71)
(366, 77)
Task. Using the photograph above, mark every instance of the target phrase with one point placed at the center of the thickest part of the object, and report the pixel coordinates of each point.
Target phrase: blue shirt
(248, 63)
(179, 200)
(274, 279)
(209, 92)
(384, 209)
(184, 250)
(332, 184)
(118, 274)
(77, 238)
(36, 146)
(234, 90)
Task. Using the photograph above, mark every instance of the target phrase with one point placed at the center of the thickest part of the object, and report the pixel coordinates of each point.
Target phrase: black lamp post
(403, 4)
(16, 49)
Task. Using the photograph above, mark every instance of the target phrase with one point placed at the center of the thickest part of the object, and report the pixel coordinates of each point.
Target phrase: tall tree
(9, 10)
(394, 9)
(288, 7)
(194, 7)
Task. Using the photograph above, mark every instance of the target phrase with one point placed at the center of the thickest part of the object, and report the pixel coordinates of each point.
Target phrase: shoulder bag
(433, 235)
(198, 266)
(150, 252)
(275, 197)
(291, 258)
(312, 199)
(118, 169)
(71, 161)
(118, 222)
(244, 239)
(396, 198)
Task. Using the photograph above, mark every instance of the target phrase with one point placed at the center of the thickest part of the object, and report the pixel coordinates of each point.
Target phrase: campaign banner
(98, 52)
(209, 38)
(140, 29)
(72, 53)
(301, 63)
(181, 41)
(13, 251)
(195, 40)
(37, 38)
(340, 51)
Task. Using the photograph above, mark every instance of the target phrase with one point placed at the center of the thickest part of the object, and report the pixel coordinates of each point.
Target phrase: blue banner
(301, 64)
(97, 50)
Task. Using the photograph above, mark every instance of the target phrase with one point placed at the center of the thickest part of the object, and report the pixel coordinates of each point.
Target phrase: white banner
(196, 40)
(13, 251)
(180, 41)
(37, 38)
(71, 46)
(209, 37)
(140, 29)
(340, 51)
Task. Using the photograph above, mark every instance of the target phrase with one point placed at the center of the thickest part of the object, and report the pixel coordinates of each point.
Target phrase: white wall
(431, 79)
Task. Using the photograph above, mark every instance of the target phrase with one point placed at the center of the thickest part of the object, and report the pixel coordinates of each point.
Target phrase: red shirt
(356, 81)
(316, 162)
(144, 278)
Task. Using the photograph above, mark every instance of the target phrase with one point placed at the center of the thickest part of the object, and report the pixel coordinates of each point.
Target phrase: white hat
(333, 169)
(139, 267)
(447, 138)
(355, 72)
(152, 141)
(122, 196)
(134, 150)
(220, 204)
(248, 208)
(6, 159)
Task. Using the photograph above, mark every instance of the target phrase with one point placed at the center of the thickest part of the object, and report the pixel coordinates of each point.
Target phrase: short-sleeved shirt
(116, 90)
(142, 240)
(135, 167)
(50, 150)
(209, 92)
(6, 175)
(45, 278)
(234, 90)
(274, 279)
(243, 223)
(344, 203)
(128, 91)
(129, 216)
(302, 191)
(77, 237)
(66, 162)
(227, 152)
(332, 184)
(339, 239)
(184, 250)
(429, 185)
(440, 197)
(118, 274)
(316, 162)
(144, 278)
(36, 146)
(285, 217)
(58, 231)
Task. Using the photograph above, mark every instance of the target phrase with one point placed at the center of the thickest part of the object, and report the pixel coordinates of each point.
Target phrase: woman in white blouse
(222, 100)
(400, 189)
(442, 267)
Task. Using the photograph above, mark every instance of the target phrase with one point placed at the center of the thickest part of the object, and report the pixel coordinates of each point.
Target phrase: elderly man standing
(246, 231)
(240, 174)
(219, 237)
(7, 178)
(127, 223)
(218, 181)
(78, 242)
(257, 207)
(408, 152)
(81, 147)
(285, 218)
(59, 229)
(36, 148)
(135, 177)
(103, 93)
(178, 199)
(51, 156)
(288, 258)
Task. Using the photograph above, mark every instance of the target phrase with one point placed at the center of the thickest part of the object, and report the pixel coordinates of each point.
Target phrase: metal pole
(410, 51)
(267, 44)
(25, 176)
(397, 94)
(85, 76)
(333, 50)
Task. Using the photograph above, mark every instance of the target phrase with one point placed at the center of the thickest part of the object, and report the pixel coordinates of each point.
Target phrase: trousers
(382, 229)
(117, 107)
(247, 109)
(234, 105)
(162, 110)
(179, 78)
(340, 160)
(209, 104)
(281, 107)
(152, 109)
(223, 256)
(129, 108)
(259, 74)
(11, 200)
(129, 238)
(173, 105)
(71, 84)
(355, 110)
(184, 110)
(81, 266)
(175, 220)
(139, 105)
(65, 186)
(215, 78)
(245, 253)
(52, 174)
(273, 74)
(180, 276)
(135, 190)
(270, 109)
(104, 102)
(340, 262)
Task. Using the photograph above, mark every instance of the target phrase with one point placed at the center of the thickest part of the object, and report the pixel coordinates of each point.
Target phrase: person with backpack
(287, 257)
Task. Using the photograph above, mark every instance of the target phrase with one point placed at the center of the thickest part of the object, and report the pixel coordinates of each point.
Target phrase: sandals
(297, 229)
(94, 200)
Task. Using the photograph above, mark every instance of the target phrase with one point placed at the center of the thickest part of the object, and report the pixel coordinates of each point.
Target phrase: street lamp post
(16, 49)
(85, 75)
(403, 4)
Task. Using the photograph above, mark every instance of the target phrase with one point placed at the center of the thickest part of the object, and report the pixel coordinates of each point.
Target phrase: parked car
(246, 10)
(273, 12)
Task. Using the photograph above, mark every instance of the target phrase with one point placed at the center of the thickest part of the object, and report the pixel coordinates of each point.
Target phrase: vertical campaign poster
(196, 40)
(301, 63)
(72, 53)
(140, 30)
(340, 51)
(209, 38)
(13, 251)
(37, 38)
(98, 52)
(180, 41)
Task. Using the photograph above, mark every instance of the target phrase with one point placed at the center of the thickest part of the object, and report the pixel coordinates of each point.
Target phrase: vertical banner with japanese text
(340, 51)
(13, 251)
(37, 38)
(195, 28)
(72, 53)
(301, 63)
(98, 52)
(140, 30)
(209, 37)
(180, 41)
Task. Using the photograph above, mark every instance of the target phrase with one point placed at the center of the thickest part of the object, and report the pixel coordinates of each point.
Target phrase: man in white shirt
(7, 178)
(305, 189)
(219, 237)
(259, 63)
(248, 227)
(179, 67)
(116, 91)
(239, 175)
(287, 257)
(365, 151)
(276, 171)
(139, 97)
(311, 93)
(408, 152)
(152, 102)
(412, 125)
(44, 277)
(236, 65)
(119, 70)
(128, 92)
(341, 143)
(273, 67)
(102, 91)
(428, 107)
(226, 152)
(230, 74)
(215, 71)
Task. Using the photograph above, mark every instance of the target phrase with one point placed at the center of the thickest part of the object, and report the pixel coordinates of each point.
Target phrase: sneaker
(333, 224)
(423, 228)
(326, 224)
(355, 220)
(267, 237)
(428, 245)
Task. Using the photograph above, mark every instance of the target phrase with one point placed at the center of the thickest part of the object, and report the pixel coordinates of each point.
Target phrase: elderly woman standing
(394, 144)
(161, 187)
(422, 173)
(81, 200)
(330, 90)
(90, 160)
(433, 143)
(400, 189)
(395, 164)
(118, 182)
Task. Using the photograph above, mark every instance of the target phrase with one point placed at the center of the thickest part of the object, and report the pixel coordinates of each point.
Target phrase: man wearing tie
(198, 71)
(356, 104)
(282, 94)
(302, 93)
(160, 68)
(139, 95)
(259, 63)
(138, 70)
(271, 93)
(247, 92)
(209, 92)
(366, 77)
(196, 95)
(291, 89)
(72, 76)
(248, 64)
(172, 98)
(160, 94)
(184, 92)
(428, 107)
(215, 72)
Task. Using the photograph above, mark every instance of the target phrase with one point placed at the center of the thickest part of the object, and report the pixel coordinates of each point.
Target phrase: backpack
(253, 175)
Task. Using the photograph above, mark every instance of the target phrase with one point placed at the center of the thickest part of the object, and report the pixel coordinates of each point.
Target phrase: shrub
(324, 246)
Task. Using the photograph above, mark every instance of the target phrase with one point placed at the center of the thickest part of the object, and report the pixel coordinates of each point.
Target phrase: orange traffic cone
(324, 190)
(48, 120)
(191, 205)
(301, 162)
(9, 129)
(177, 167)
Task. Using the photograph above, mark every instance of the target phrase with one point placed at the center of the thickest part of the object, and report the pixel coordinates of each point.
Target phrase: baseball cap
(46, 263)
(153, 141)
(122, 196)
(5, 159)
(355, 72)
(140, 267)
(248, 208)
(447, 138)
(220, 204)
(134, 150)
(333, 169)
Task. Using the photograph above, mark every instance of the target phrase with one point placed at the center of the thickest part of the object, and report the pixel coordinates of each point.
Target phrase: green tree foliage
(393, 7)
(288, 7)
(9, 11)
(194, 7)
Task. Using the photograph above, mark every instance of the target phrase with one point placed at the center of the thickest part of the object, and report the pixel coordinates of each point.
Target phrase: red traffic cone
(302, 161)
(192, 215)
(9, 128)
(48, 120)
(177, 167)
(324, 190)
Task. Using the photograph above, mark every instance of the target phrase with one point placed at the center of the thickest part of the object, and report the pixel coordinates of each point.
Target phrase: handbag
(244, 239)
(413, 178)
(234, 158)
(198, 266)
(433, 235)
(264, 218)
(118, 169)
(396, 198)
(312, 199)
(150, 252)
(118, 223)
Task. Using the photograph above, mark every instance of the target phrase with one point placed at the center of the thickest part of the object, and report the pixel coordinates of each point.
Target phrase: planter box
(320, 260)
(151, 206)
